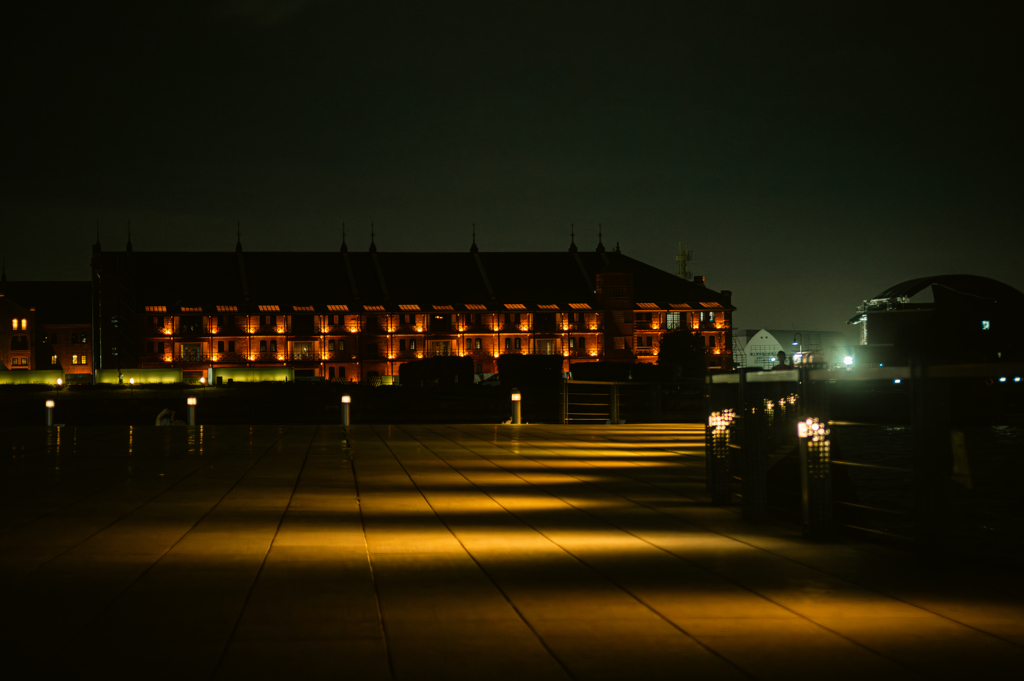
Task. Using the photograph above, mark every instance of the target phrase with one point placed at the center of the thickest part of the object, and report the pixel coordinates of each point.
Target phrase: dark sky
(811, 155)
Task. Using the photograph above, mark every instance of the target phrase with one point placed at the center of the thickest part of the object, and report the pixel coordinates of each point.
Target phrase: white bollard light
(191, 411)
(49, 412)
(517, 407)
(346, 400)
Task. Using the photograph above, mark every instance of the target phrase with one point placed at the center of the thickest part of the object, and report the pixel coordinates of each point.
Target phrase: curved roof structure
(948, 290)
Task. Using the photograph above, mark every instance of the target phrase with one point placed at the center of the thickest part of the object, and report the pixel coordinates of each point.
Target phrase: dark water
(983, 520)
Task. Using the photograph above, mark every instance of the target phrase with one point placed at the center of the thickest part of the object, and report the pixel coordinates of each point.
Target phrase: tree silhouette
(682, 355)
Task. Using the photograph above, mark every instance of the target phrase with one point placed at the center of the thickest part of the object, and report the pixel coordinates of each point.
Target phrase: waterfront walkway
(449, 552)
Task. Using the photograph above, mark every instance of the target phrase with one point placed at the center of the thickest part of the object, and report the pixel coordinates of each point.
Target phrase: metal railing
(633, 401)
(915, 418)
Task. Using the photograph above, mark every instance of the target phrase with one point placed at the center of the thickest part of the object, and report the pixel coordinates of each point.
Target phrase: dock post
(933, 458)
(753, 479)
(815, 466)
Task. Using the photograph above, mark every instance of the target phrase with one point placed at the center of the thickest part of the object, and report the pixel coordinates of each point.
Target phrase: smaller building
(46, 325)
(760, 347)
(949, 319)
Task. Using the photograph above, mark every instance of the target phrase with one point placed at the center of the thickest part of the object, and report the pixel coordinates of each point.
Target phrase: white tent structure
(760, 347)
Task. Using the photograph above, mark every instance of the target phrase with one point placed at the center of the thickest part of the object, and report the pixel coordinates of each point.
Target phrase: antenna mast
(683, 259)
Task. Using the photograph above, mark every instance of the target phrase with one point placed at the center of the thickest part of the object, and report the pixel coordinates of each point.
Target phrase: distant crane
(682, 261)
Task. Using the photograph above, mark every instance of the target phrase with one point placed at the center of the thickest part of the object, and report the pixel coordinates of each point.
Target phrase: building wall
(356, 346)
(68, 346)
(17, 336)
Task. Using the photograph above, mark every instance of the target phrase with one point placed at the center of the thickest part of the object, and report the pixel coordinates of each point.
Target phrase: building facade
(46, 325)
(950, 318)
(350, 316)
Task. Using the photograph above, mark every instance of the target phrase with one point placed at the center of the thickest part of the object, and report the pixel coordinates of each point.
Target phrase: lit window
(24, 324)
(84, 339)
(986, 325)
(83, 360)
(74, 359)
(53, 359)
(479, 343)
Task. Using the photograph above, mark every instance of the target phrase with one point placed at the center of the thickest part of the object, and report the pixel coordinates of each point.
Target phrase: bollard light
(49, 412)
(345, 401)
(202, 379)
(517, 407)
(191, 402)
(131, 381)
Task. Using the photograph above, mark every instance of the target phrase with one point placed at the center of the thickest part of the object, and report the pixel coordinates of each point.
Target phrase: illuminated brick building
(347, 315)
(45, 325)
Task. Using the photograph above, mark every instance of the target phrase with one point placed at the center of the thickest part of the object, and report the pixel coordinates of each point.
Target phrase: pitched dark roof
(55, 302)
(322, 278)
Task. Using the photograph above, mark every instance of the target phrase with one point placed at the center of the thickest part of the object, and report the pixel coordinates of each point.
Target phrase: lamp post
(202, 381)
(517, 407)
(345, 401)
(131, 387)
(191, 401)
(800, 344)
(49, 413)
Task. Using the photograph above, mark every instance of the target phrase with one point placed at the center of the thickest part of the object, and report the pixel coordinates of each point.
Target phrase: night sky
(810, 155)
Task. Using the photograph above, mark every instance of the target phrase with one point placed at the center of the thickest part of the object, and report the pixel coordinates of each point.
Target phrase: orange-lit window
(83, 360)
(14, 324)
(53, 359)
(24, 324)
(74, 359)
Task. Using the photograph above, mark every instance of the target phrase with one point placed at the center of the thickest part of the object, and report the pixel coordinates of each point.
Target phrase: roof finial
(344, 246)
(473, 248)
(128, 247)
(238, 234)
(617, 249)
(572, 238)
(600, 242)
(373, 245)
